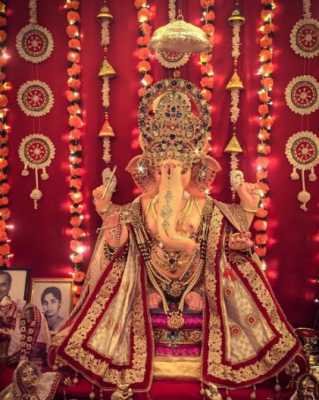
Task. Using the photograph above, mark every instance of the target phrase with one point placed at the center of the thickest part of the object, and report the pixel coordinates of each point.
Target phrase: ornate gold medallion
(175, 320)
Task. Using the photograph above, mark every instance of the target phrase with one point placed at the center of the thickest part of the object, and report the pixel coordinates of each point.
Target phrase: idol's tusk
(108, 184)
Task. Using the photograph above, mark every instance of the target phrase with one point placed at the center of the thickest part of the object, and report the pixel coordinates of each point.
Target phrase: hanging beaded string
(266, 32)
(76, 124)
(5, 86)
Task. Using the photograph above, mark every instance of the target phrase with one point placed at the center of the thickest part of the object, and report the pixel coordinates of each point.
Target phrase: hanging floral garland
(75, 148)
(143, 54)
(235, 85)
(5, 251)
(205, 60)
(106, 72)
(144, 15)
(266, 120)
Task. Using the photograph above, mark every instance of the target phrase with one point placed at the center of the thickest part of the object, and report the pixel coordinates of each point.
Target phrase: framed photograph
(54, 298)
(14, 283)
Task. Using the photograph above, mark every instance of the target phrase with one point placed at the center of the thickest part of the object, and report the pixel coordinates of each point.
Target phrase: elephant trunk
(170, 204)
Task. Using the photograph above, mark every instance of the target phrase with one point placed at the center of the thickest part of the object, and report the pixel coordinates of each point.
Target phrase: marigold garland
(266, 121)
(76, 124)
(205, 60)
(5, 251)
(143, 54)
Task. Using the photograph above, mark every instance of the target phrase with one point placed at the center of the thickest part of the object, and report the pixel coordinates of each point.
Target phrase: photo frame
(53, 297)
(18, 283)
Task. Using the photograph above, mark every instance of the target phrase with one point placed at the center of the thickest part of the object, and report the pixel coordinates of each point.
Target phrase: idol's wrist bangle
(249, 210)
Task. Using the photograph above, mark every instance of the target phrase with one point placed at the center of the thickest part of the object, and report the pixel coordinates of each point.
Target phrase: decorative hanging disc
(35, 98)
(172, 59)
(302, 94)
(302, 150)
(34, 43)
(36, 151)
(304, 38)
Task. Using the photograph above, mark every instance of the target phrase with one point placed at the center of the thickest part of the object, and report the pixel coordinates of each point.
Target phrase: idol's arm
(115, 232)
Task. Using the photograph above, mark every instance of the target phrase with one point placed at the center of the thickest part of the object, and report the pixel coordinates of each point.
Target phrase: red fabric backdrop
(39, 241)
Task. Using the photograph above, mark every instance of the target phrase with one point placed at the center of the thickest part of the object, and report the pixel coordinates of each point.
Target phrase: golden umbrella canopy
(180, 36)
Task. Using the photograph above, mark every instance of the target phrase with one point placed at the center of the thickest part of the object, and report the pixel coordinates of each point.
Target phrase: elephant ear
(142, 171)
(203, 175)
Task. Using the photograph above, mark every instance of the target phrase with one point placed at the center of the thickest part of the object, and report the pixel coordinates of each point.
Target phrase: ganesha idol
(173, 288)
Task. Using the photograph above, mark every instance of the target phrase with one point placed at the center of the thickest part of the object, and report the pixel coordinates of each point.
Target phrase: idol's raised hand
(249, 194)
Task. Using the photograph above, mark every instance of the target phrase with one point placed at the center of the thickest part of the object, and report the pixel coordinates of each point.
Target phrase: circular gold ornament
(35, 98)
(302, 94)
(34, 43)
(302, 150)
(304, 38)
(175, 320)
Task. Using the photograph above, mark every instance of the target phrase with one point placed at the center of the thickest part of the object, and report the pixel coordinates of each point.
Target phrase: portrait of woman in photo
(51, 299)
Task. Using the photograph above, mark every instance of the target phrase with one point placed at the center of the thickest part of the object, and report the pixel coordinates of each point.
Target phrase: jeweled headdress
(174, 122)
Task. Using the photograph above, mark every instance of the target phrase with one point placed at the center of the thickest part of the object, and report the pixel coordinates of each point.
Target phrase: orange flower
(269, 28)
(74, 44)
(143, 53)
(263, 162)
(261, 213)
(74, 70)
(72, 31)
(263, 109)
(207, 3)
(4, 249)
(260, 225)
(2, 76)
(147, 79)
(143, 66)
(143, 40)
(139, 3)
(77, 258)
(74, 109)
(4, 151)
(261, 251)
(267, 68)
(144, 15)
(265, 41)
(3, 101)
(207, 82)
(261, 238)
(263, 96)
(146, 29)
(71, 96)
(75, 221)
(4, 187)
(266, 15)
(79, 277)
(5, 212)
(3, 163)
(73, 16)
(208, 28)
(210, 15)
(265, 55)
(141, 92)
(75, 121)
(207, 69)
(73, 56)
(74, 83)
(4, 201)
(206, 94)
(263, 134)
(267, 82)
(77, 232)
(75, 134)
(3, 36)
